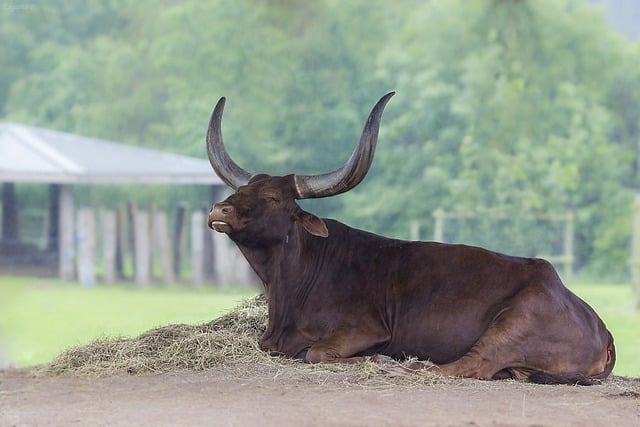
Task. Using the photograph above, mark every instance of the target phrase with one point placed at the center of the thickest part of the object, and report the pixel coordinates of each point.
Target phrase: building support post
(67, 227)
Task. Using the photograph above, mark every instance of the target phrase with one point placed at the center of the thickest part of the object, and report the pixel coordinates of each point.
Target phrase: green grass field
(39, 318)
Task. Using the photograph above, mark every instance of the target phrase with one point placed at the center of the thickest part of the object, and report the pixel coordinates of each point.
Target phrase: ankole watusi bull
(339, 294)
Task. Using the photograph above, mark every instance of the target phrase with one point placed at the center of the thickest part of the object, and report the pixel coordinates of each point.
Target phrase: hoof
(421, 365)
(390, 365)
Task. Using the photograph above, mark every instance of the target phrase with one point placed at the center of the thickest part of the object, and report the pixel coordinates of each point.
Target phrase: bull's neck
(288, 280)
(283, 263)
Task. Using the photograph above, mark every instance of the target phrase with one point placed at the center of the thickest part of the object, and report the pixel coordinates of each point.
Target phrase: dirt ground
(229, 397)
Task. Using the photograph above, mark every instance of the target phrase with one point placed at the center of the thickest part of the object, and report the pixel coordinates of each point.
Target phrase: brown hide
(474, 312)
(338, 294)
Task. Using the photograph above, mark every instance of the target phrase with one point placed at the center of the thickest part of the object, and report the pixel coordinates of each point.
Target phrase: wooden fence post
(414, 230)
(220, 261)
(53, 228)
(121, 239)
(635, 252)
(229, 265)
(141, 246)
(66, 247)
(86, 246)
(438, 228)
(161, 242)
(197, 247)
(209, 266)
(568, 247)
(178, 239)
(131, 220)
(109, 244)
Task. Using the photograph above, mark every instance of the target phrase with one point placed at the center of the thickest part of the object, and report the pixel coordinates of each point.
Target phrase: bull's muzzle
(220, 217)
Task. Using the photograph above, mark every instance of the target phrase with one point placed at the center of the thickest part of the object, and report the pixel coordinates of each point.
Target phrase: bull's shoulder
(341, 232)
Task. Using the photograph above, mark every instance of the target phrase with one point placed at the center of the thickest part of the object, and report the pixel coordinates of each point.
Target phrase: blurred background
(516, 126)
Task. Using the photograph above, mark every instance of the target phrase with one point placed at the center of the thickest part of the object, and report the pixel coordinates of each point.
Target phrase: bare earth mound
(215, 374)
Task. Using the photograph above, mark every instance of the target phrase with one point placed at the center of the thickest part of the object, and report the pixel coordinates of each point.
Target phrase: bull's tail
(611, 358)
(540, 377)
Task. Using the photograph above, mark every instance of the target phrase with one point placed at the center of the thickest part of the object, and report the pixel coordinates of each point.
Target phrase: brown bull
(339, 294)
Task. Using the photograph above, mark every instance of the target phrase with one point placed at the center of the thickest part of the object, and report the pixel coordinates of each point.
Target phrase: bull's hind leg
(543, 334)
(498, 353)
(516, 344)
(474, 365)
(471, 365)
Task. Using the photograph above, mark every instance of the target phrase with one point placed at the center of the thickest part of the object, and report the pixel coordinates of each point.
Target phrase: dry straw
(229, 342)
(228, 339)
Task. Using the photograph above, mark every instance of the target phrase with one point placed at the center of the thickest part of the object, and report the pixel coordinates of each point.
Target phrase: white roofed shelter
(32, 154)
(61, 160)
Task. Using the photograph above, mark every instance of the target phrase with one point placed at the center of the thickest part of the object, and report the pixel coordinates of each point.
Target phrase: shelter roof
(33, 154)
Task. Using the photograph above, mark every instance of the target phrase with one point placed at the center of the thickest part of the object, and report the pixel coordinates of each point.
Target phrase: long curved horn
(228, 171)
(348, 176)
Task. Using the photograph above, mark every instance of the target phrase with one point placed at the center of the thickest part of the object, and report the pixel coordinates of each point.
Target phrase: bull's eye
(273, 199)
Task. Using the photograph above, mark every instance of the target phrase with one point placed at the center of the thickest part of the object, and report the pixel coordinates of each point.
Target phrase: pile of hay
(226, 342)
(232, 338)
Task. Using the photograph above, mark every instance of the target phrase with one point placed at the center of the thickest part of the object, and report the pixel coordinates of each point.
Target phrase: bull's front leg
(341, 346)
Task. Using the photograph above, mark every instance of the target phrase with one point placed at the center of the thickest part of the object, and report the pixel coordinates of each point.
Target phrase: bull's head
(263, 207)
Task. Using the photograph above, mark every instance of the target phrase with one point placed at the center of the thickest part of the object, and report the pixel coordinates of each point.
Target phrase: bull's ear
(313, 224)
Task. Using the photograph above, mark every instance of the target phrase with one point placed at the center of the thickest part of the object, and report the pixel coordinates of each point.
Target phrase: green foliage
(516, 107)
(507, 116)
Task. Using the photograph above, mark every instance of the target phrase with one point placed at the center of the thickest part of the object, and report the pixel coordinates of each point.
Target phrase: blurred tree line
(517, 107)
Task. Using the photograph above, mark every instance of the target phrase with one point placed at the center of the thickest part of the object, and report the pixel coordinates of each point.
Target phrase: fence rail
(634, 260)
(565, 259)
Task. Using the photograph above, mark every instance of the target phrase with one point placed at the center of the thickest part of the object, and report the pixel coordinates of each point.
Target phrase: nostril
(222, 209)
